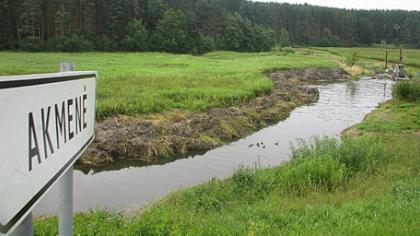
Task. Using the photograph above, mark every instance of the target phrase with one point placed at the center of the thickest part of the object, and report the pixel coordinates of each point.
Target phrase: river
(340, 106)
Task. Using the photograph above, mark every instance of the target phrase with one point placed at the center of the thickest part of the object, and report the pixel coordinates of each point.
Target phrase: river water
(340, 106)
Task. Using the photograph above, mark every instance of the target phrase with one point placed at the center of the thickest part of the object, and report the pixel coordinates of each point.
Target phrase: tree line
(194, 26)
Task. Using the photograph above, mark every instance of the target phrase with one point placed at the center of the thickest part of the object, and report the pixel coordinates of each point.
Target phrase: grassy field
(374, 58)
(138, 83)
(368, 184)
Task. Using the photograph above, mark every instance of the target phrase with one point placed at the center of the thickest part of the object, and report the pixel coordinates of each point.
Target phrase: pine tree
(171, 33)
(284, 38)
(238, 25)
(31, 18)
(137, 38)
(4, 24)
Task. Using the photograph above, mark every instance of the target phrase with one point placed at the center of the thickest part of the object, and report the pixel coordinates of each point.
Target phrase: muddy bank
(163, 137)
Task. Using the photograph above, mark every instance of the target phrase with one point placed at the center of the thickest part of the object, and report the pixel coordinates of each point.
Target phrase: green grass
(374, 58)
(407, 91)
(368, 184)
(401, 115)
(139, 83)
(393, 117)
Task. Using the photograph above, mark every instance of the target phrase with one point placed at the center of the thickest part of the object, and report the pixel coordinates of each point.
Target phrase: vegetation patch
(156, 137)
(390, 117)
(408, 91)
(357, 185)
(135, 84)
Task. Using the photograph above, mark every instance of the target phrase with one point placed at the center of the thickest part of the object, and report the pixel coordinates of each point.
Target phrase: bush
(284, 37)
(288, 50)
(72, 43)
(171, 33)
(137, 38)
(282, 50)
(243, 179)
(107, 44)
(351, 59)
(32, 44)
(206, 44)
(407, 91)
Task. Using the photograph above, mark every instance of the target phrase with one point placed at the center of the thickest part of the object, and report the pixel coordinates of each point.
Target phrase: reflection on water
(122, 164)
(352, 87)
(340, 105)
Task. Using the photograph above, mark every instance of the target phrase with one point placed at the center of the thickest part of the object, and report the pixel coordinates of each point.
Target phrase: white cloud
(359, 4)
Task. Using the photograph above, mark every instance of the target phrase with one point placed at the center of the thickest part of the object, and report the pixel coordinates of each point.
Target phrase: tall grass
(355, 186)
(141, 83)
(407, 91)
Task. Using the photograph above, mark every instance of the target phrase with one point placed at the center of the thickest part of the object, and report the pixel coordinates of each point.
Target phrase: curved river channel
(340, 106)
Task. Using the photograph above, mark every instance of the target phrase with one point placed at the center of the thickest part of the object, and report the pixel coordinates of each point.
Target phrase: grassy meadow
(139, 83)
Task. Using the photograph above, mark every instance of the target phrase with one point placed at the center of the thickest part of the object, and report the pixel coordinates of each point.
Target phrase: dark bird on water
(251, 145)
(264, 146)
(258, 144)
(277, 143)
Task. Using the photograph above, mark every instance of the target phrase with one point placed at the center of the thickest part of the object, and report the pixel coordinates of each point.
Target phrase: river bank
(127, 185)
(357, 186)
(166, 136)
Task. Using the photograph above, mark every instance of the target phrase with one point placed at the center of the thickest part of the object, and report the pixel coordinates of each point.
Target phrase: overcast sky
(359, 4)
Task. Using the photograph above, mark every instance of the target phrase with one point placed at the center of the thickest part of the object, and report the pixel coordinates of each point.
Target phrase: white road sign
(46, 122)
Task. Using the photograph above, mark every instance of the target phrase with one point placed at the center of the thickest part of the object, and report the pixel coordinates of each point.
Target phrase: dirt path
(166, 136)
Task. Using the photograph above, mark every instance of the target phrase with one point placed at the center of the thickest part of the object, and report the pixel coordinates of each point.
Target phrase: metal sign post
(47, 122)
(65, 216)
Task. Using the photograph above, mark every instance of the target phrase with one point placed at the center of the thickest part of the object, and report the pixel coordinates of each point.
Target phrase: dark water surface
(340, 106)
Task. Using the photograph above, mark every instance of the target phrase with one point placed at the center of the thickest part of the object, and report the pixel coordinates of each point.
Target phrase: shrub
(137, 38)
(108, 44)
(284, 37)
(72, 43)
(351, 59)
(206, 44)
(171, 33)
(243, 179)
(407, 91)
(32, 44)
(288, 50)
(283, 51)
